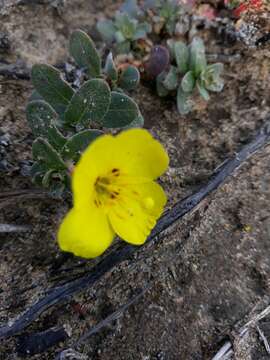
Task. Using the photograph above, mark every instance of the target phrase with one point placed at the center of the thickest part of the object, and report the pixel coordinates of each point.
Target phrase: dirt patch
(211, 269)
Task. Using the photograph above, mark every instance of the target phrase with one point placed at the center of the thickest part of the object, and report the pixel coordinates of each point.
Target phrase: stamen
(107, 188)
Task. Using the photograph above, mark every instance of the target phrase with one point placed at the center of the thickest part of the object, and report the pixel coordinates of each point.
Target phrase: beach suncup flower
(115, 193)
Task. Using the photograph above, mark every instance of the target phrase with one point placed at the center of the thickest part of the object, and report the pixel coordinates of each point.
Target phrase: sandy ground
(210, 272)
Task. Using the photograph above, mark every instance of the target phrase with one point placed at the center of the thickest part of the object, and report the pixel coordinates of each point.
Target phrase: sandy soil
(210, 272)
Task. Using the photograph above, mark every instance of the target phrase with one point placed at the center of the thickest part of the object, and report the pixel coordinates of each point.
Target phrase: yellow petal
(141, 154)
(136, 212)
(85, 233)
(134, 152)
(95, 161)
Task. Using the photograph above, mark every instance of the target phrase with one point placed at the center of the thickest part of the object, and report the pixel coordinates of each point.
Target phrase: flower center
(107, 188)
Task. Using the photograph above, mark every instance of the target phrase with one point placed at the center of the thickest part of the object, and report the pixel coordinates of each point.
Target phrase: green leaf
(106, 29)
(120, 37)
(136, 123)
(131, 8)
(184, 104)
(203, 92)
(48, 83)
(126, 25)
(161, 90)
(89, 103)
(181, 54)
(170, 81)
(44, 153)
(78, 143)
(210, 78)
(129, 78)
(197, 56)
(41, 118)
(47, 178)
(141, 31)
(216, 68)
(110, 68)
(37, 172)
(188, 82)
(170, 43)
(122, 111)
(35, 96)
(84, 52)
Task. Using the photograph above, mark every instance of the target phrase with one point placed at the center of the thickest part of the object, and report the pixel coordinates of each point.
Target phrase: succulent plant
(60, 116)
(133, 23)
(167, 13)
(124, 30)
(190, 72)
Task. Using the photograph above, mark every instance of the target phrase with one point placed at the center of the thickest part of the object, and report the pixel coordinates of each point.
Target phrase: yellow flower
(114, 193)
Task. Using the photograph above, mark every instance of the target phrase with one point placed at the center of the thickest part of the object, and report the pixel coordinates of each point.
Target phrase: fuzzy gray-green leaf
(106, 29)
(122, 111)
(210, 77)
(197, 56)
(35, 96)
(89, 103)
(181, 54)
(203, 92)
(183, 101)
(161, 90)
(84, 52)
(45, 154)
(188, 82)
(110, 68)
(129, 78)
(78, 143)
(136, 123)
(48, 83)
(170, 81)
(41, 118)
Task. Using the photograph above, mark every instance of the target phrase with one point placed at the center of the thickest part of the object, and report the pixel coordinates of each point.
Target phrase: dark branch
(63, 293)
(14, 71)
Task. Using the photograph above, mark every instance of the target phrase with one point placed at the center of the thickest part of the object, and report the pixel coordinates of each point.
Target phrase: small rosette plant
(189, 73)
(62, 117)
(114, 193)
(125, 29)
(164, 15)
(132, 24)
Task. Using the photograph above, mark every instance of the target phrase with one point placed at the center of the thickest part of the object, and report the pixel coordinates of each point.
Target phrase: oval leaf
(188, 82)
(184, 104)
(41, 118)
(122, 111)
(48, 83)
(84, 52)
(89, 103)
(197, 56)
(203, 92)
(44, 153)
(170, 81)
(129, 78)
(110, 68)
(181, 54)
(161, 90)
(78, 143)
(106, 29)
(136, 123)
